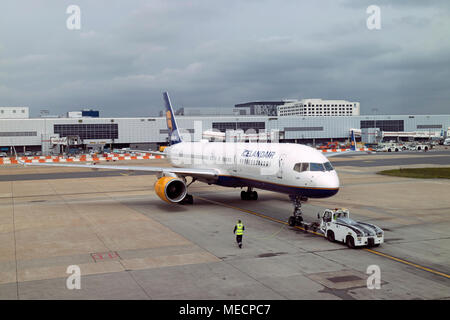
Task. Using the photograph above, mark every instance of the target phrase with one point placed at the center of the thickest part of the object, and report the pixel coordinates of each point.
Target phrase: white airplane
(297, 170)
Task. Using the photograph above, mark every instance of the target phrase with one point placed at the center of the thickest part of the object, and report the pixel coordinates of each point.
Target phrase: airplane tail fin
(174, 135)
(353, 141)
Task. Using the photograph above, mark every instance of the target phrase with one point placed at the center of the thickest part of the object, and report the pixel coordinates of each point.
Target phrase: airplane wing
(200, 173)
(335, 154)
(159, 153)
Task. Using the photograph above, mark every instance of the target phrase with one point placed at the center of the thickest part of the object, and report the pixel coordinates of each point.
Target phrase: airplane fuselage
(292, 169)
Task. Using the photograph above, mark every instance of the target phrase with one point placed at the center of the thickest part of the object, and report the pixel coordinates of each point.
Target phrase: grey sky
(218, 53)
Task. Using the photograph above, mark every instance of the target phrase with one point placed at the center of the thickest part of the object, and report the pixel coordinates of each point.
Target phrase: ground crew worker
(239, 231)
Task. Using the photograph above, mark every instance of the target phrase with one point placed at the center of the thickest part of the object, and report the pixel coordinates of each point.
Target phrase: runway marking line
(408, 263)
(319, 234)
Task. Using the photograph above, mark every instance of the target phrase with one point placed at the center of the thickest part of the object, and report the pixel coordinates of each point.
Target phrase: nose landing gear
(296, 219)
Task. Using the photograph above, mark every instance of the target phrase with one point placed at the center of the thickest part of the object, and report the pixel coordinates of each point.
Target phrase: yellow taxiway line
(319, 234)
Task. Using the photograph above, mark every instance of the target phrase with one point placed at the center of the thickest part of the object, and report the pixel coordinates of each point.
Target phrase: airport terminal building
(42, 134)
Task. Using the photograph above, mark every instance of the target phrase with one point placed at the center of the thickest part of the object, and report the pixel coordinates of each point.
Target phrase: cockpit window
(316, 167)
(328, 166)
(300, 167)
(305, 166)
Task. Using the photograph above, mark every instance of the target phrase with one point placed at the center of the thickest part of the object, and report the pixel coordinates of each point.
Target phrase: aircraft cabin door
(235, 164)
(280, 166)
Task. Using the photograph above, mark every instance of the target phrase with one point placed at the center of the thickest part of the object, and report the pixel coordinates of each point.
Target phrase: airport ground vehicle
(336, 225)
(419, 147)
(391, 147)
(330, 145)
(3, 154)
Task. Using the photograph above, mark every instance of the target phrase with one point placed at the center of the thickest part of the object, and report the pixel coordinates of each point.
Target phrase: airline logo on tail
(174, 136)
(169, 120)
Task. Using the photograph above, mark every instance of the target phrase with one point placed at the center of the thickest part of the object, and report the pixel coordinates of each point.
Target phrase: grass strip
(419, 173)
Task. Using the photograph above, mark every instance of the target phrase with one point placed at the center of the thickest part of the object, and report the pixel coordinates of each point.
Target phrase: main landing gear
(296, 219)
(189, 199)
(249, 194)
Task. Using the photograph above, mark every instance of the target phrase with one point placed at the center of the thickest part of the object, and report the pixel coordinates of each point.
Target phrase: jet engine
(171, 189)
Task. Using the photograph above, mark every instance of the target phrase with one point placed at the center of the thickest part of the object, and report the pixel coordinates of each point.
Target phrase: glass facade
(88, 131)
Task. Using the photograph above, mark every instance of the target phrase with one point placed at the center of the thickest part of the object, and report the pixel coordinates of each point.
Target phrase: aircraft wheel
(244, 195)
(254, 195)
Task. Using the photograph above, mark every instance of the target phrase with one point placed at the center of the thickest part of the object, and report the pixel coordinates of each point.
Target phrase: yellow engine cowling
(170, 189)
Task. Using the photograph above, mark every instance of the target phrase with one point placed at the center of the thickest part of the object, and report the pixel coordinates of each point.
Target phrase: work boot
(240, 245)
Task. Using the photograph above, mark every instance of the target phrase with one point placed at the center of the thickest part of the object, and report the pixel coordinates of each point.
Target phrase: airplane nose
(328, 180)
(327, 185)
(334, 180)
(332, 184)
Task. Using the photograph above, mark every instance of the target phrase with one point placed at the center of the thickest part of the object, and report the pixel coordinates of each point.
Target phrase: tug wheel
(350, 242)
(330, 236)
(291, 221)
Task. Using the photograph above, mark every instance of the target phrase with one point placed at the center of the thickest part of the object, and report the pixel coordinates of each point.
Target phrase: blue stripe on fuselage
(230, 181)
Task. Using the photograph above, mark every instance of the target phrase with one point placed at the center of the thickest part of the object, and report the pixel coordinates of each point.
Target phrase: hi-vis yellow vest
(239, 229)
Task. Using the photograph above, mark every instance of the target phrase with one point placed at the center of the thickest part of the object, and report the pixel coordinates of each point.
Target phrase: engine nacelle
(171, 189)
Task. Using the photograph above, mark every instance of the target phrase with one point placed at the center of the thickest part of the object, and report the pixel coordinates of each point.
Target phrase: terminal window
(19, 134)
(303, 129)
(429, 126)
(88, 131)
(383, 125)
(224, 126)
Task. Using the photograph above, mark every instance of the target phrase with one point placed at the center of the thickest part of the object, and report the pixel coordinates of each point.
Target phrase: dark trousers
(239, 239)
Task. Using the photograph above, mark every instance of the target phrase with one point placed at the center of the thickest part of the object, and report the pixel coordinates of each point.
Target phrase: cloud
(222, 53)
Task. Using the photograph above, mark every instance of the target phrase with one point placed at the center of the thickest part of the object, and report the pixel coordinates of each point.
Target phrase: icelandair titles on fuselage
(258, 154)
